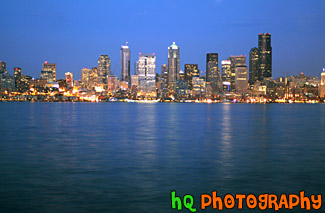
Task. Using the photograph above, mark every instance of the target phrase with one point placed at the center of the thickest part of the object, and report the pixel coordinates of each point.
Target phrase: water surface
(115, 157)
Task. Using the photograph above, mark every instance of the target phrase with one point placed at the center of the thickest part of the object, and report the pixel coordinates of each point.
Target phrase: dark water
(115, 157)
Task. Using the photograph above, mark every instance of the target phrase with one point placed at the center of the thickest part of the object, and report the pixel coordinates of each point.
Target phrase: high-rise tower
(212, 70)
(264, 56)
(49, 72)
(253, 66)
(147, 72)
(125, 63)
(104, 68)
(173, 66)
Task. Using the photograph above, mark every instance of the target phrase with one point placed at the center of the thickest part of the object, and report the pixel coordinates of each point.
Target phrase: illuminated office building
(104, 68)
(112, 83)
(236, 61)
(89, 77)
(164, 71)
(226, 70)
(191, 70)
(253, 66)
(69, 79)
(125, 63)
(265, 56)
(173, 66)
(49, 72)
(147, 72)
(322, 85)
(241, 80)
(212, 70)
(17, 75)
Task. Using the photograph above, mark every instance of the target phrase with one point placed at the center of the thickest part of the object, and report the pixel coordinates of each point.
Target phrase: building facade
(322, 85)
(173, 66)
(236, 61)
(191, 70)
(69, 79)
(147, 73)
(253, 66)
(49, 72)
(125, 63)
(241, 80)
(212, 70)
(104, 68)
(264, 56)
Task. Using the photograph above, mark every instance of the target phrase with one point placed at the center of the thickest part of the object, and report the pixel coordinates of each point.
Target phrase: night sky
(73, 33)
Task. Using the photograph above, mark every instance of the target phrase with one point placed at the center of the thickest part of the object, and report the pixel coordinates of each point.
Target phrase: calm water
(115, 157)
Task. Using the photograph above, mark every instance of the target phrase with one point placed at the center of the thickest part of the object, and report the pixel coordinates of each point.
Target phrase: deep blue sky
(73, 33)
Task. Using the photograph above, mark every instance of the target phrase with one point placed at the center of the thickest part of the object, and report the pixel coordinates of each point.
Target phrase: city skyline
(75, 40)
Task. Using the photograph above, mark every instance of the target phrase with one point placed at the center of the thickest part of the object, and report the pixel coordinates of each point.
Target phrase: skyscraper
(253, 66)
(212, 70)
(173, 66)
(241, 80)
(264, 55)
(49, 72)
(104, 68)
(236, 61)
(191, 70)
(226, 70)
(147, 72)
(2, 67)
(125, 63)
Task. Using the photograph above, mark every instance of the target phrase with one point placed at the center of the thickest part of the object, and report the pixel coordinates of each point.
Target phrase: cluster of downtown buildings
(233, 81)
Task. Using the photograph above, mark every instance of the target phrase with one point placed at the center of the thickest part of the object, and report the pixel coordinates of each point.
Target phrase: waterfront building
(89, 78)
(173, 66)
(212, 70)
(125, 63)
(253, 66)
(69, 79)
(322, 85)
(134, 82)
(264, 56)
(7, 82)
(241, 80)
(112, 83)
(2, 67)
(104, 68)
(147, 73)
(123, 85)
(191, 70)
(49, 71)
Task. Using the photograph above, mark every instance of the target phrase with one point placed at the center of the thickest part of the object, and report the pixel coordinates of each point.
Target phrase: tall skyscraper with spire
(125, 63)
(264, 56)
(173, 66)
(104, 68)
